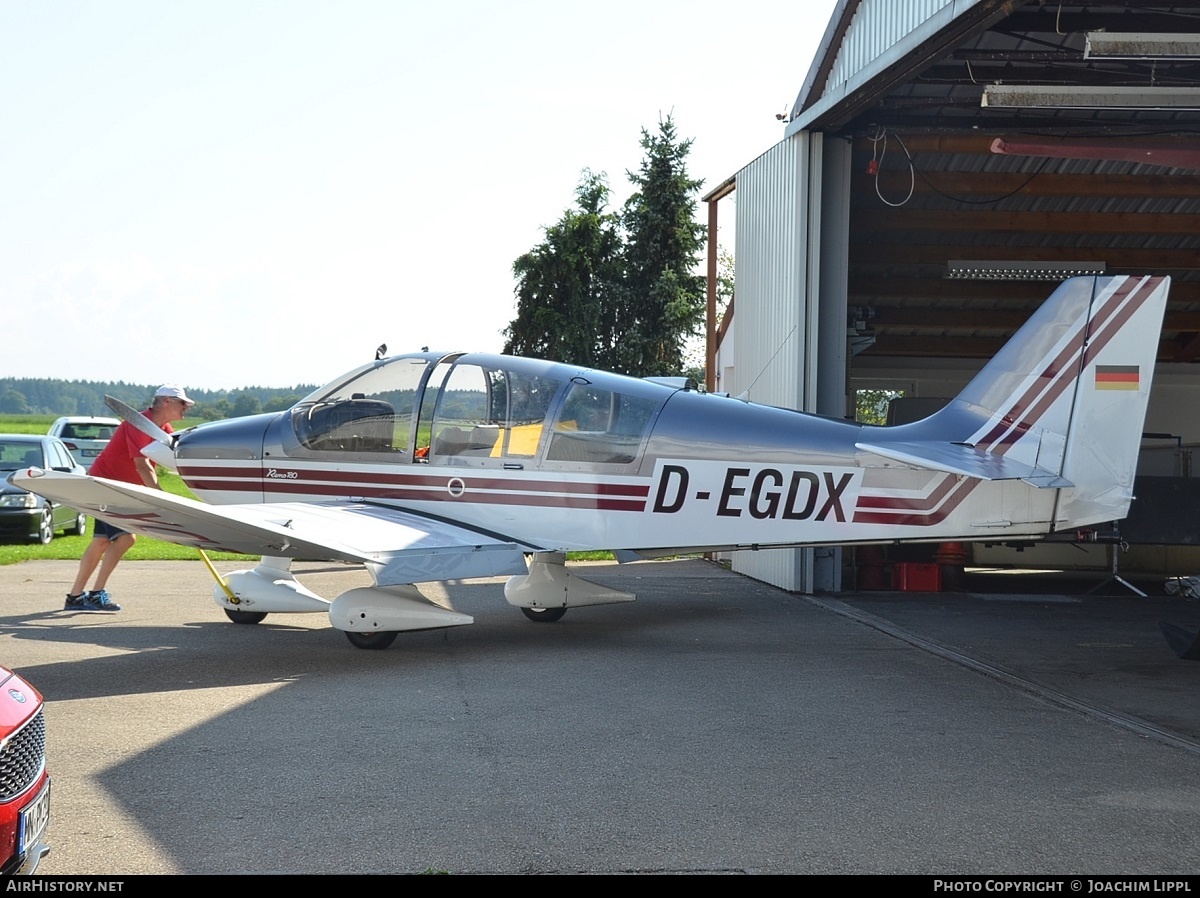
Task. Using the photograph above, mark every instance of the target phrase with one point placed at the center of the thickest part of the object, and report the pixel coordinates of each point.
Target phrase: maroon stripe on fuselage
(220, 486)
(923, 503)
(211, 476)
(299, 491)
(471, 495)
(249, 470)
(957, 493)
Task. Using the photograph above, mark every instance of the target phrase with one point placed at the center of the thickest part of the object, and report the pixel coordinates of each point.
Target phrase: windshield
(370, 411)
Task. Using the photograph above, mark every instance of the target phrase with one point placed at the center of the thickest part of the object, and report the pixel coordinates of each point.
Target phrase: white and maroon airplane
(430, 467)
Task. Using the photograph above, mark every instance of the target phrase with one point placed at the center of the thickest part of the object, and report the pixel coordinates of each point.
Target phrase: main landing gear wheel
(544, 615)
(379, 639)
(245, 617)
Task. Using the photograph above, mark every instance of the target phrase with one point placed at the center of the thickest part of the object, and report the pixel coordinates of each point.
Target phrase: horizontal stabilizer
(956, 458)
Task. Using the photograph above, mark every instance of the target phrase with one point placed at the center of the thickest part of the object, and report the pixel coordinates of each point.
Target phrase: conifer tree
(620, 292)
(565, 284)
(662, 297)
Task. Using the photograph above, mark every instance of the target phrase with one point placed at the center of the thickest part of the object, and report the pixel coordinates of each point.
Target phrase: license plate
(34, 817)
(91, 452)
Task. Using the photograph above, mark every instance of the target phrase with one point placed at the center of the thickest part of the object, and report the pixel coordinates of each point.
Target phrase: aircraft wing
(399, 546)
(957, 458)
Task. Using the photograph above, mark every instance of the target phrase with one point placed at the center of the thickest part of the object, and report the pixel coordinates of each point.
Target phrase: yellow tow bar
(233, 600)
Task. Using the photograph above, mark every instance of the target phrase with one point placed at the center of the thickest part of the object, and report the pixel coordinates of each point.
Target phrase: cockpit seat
(478, 441)
(351, 425)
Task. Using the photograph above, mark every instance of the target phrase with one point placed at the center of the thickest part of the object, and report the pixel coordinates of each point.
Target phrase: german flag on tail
(1117, 377)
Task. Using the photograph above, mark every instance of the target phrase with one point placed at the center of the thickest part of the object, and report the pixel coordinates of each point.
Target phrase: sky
(231, 193)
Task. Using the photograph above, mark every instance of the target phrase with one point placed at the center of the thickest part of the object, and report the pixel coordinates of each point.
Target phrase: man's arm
(145, 469)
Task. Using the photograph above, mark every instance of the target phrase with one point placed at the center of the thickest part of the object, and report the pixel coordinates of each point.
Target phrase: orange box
(912, 576)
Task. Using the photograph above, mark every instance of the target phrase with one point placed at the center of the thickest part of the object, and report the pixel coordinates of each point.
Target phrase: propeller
(162, 450)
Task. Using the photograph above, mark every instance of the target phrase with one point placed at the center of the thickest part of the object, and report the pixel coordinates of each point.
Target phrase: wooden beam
(1050, 20)
(868, 252)
(970, 293)
(963, 291)
(884, 219)
(903, 317)
(956, 346)
(959, 347)
(893, 317)
(973, 142)
(984, 185)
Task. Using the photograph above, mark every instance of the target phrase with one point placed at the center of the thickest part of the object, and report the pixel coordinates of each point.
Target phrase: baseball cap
(175, 392)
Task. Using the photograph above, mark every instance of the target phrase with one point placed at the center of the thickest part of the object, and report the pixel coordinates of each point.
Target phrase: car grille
(22, 757)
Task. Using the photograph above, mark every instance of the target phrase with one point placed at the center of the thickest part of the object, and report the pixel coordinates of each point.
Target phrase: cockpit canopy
(481, 410)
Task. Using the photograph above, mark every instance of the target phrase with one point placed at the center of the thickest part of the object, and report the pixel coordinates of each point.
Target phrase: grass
(26, 423)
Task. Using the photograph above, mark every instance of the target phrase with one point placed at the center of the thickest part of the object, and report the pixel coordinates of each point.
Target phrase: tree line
(46, 396)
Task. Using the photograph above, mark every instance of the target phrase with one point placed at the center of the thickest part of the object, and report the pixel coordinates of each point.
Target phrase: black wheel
(45, 531)
(244, 617)
(79, 528)
(378, 639)
(544, 615)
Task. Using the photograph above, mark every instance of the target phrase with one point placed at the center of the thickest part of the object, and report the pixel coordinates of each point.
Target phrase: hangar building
(944, 164)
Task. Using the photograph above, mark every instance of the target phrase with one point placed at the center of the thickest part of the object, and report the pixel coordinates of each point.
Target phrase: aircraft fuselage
(609, 462)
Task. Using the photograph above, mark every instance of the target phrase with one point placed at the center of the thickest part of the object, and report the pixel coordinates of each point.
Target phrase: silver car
(84, 435)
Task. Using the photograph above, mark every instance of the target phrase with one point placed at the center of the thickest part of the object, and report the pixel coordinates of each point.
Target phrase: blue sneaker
(74, 603)
(96, 601)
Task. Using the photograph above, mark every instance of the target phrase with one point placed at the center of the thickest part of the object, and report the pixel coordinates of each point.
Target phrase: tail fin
(1061, 405)
(1112, 392)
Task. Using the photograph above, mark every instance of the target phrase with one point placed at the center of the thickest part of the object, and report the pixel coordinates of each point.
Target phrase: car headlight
(18, 500)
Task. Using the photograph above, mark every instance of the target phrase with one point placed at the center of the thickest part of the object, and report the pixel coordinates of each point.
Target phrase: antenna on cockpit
(381, 351)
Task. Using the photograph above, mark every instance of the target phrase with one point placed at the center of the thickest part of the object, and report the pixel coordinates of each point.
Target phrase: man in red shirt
(122, 460)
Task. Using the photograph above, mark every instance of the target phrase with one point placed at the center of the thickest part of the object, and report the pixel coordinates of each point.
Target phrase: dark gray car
(24, 515)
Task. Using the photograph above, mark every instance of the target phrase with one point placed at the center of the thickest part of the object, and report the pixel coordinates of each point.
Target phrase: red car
(24, 780)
